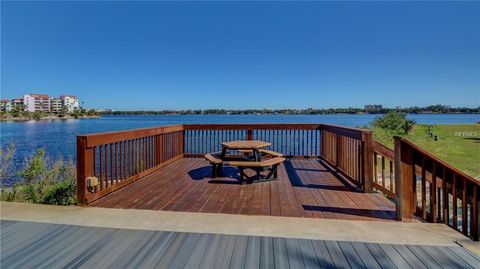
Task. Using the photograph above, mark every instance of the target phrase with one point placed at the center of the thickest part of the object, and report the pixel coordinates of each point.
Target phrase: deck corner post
(367, 137)
(404, 181)
(84, 169)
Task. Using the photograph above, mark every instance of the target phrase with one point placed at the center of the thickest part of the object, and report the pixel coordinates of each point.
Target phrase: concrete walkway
(286, 227)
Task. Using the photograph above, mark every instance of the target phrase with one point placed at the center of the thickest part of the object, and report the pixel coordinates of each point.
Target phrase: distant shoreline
(22, 119)
(153, 113)
(436, 109)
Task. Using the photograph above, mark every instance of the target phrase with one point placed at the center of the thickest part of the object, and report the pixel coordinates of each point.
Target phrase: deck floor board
(304, 188)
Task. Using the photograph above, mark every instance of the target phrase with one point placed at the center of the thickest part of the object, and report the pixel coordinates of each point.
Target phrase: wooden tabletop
(245, 144)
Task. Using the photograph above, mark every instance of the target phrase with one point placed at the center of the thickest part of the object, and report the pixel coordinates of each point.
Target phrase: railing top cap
(436, 159)
(116, 136)
(112, 137)
(131, 130)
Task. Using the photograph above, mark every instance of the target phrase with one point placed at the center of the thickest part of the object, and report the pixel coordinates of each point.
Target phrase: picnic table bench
(270, 164)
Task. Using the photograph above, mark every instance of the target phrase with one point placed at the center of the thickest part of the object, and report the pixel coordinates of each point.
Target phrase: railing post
(476, 213)
(84, 169)
(337, 149)
(404, 181)
(160, 148)
(322, 144)
(367, 137)
(249, 134)
(181, 141)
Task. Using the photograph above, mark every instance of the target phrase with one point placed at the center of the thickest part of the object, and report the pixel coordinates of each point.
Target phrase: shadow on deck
(304, 188)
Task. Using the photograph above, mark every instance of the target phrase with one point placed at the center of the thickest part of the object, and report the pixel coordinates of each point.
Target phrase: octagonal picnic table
(253, 145)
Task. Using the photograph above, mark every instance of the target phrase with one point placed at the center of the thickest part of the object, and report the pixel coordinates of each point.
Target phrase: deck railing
(434, 190)
(292, 140)
(350, 151)
(119, 158)
(384, 170)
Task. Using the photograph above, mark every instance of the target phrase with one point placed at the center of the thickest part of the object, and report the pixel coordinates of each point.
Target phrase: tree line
(19, 112)
(434, 109)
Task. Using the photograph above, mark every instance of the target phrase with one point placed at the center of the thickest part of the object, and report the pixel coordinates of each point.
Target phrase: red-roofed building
(42, 102)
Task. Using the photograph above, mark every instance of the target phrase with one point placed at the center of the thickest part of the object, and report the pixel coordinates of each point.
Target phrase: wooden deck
(304, 188)
(41, 245)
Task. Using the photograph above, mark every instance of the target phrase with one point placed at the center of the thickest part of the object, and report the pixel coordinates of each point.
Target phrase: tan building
(56, 105)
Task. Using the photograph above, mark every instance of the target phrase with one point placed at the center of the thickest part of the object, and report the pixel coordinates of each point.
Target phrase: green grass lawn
(458, 145)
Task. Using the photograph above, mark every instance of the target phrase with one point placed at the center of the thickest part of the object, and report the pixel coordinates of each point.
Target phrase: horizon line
(309, 108)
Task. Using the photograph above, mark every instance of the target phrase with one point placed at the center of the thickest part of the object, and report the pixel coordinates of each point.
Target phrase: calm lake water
(58, 136)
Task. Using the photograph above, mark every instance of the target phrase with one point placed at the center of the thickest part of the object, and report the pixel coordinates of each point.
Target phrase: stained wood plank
(304, 188)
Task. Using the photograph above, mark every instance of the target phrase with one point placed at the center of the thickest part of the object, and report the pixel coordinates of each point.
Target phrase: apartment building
(42, 102)
(373, 107)
(70, 102)
(17, 101)
(56, 105)
(36, 102)
(6, 105)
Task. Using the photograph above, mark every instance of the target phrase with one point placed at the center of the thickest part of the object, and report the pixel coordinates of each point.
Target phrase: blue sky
(190, 55)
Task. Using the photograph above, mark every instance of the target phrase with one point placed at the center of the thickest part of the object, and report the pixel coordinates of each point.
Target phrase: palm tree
(63, 111)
